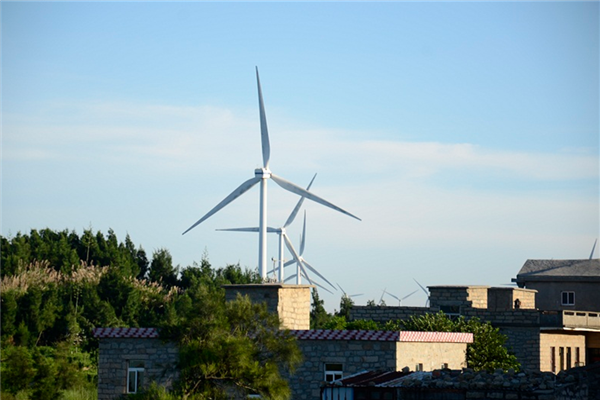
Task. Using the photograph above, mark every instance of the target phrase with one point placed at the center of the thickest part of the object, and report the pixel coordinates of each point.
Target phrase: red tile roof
(437, 337)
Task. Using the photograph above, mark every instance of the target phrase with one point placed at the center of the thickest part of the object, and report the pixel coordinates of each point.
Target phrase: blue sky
(465, 135)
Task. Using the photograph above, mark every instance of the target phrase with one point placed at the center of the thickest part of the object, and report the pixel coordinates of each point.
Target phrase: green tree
(161, 268)
(318, 316)
(230, 349)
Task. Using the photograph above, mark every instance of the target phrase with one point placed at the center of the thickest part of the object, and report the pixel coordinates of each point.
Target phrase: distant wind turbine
(400, 299)
(262, 175)
(593, 248)
(299, 260)
(346, 294)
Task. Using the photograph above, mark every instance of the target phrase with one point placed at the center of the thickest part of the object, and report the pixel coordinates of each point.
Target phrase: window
(451, 311)
(568, 357)
(419, 367)
(553, 359)
(577, 358)
(561, 358)
(333, 372)
(568, 298)
(135, 374)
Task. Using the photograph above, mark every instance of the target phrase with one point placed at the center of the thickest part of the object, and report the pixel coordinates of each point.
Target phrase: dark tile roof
(386, 336)
(126, 333)
(534, 270)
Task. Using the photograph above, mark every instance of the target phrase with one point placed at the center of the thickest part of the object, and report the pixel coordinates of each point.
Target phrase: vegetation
(58, 286)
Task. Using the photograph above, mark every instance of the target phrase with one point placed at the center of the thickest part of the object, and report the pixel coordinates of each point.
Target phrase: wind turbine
(400, 299)
(299, 260)
(262, 175)
(593, 248)
(280, 231)
(426, 292)
(346, 294)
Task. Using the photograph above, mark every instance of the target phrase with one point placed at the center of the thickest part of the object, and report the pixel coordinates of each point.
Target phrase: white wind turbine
(262, 175)
(301, 263)
(280, 231)
(398, 298)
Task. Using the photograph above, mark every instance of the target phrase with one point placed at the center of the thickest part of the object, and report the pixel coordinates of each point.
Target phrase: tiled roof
(547, 269)
(331, 334)
(437, 337)
(126, 332)
(387, 336)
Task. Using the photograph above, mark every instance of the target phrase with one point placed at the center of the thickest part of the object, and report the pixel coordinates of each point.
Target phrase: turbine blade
(343, 291)
(394, 296)
(289, 186)
(303, 238)
(356, 295)
(317, 273)
(408, 295)
(243, 188)
(289, 278)
(264, 132)
(421, 286)
(382, 294)
(297, 208)
(254, 229)
(593, 248)
(288, 263)
(238, 230)
(322, 287)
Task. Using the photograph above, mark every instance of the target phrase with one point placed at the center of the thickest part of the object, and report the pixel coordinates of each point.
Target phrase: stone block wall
(387, 313)
(290, 302)
(524, 343)
(159, 360)
(354, 355)
(571, 343)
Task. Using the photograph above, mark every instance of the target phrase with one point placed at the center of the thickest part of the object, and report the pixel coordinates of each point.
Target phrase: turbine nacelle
(262, 173)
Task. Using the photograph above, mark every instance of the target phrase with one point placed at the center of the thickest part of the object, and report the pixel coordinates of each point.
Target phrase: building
(563, 284)
(330, 355)
(131, 358)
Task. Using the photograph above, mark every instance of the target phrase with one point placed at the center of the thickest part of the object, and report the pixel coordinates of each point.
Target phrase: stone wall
(523, 342)
(115, 354)
(355, 356)
(290, 302)
(572, 345)
(387, 313)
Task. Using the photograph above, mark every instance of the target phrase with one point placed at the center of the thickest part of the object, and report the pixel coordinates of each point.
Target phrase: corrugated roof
(547, 269)
(125, 333)
(388, 336)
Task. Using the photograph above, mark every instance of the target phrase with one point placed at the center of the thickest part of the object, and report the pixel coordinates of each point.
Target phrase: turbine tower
(280, 231)
(262, 175)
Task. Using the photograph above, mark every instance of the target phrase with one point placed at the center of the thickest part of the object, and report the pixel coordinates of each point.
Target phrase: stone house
(563, 284)
(130, 358)
(542, 340)
(330, 355)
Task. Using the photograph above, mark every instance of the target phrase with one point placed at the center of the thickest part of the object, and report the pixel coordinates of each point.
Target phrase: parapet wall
(290, 302)
(387, 313)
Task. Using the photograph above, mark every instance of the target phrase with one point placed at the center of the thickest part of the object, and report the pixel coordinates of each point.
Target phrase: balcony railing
(571, 319)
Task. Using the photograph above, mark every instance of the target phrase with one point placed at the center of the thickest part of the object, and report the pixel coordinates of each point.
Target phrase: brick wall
(115, 353)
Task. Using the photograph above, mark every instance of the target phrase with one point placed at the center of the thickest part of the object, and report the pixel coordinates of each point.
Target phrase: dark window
(135, 375)
(553, 359)
(568, 298)
(568, 357)
(333, 372)
(561, 358)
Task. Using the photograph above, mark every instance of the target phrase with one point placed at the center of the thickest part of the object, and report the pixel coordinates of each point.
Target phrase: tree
(318, 316)
(346, 304)
(231, 349)
(161, 268)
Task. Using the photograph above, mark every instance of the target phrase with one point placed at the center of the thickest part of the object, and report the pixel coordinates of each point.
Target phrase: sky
(465, 135)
